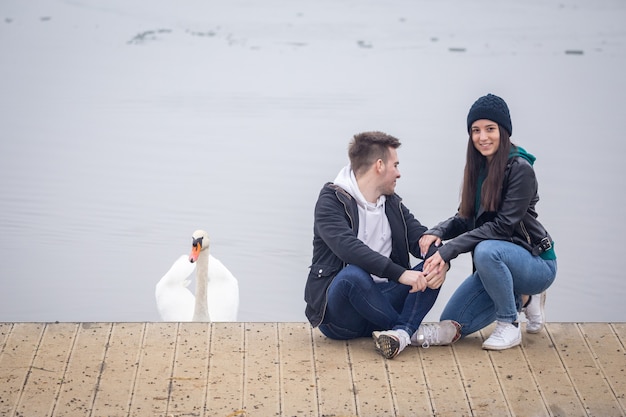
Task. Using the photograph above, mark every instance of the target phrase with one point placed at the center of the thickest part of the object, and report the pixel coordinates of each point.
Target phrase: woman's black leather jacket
(515, 221)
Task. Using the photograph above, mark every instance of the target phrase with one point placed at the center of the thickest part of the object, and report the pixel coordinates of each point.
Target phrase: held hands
(419, 281)
(434, 266)
(434, 270)
(435, 278)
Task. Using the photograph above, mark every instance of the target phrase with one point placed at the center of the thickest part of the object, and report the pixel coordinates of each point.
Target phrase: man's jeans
(357, 305)
(504, 271)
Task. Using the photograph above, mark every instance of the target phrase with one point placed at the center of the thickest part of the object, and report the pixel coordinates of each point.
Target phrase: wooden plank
(408, 384)
(551, 376)
(372, 389)
(609, 354)
(261, 393)
(620, 332)
(335, 386)
(83, 372)
(297, 370)
(591, 386)
(16, 359)
(520, 390)
(119, 370)
(156, 362)
(444, 382)
(5, 329)
(481, 384)
(191, 368)
(43, 384)
(226, 371)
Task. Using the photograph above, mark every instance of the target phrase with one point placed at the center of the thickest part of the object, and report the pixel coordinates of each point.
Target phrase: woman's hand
(436, 280)
(434, 265)
(426, 241)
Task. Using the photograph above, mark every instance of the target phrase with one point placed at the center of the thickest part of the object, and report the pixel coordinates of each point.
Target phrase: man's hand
(414, 279)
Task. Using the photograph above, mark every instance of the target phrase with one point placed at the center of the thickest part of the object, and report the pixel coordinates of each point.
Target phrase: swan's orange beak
(195, 251)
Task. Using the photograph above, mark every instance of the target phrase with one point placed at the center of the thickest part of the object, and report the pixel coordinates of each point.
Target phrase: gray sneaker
(445, 332)
(535, 314)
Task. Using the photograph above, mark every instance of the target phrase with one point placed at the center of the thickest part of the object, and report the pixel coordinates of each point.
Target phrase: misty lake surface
(125, 127)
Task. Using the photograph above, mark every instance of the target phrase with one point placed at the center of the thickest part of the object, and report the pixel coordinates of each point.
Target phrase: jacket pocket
(322, 271)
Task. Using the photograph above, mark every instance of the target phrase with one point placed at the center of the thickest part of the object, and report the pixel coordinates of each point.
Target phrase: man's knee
(354, 274)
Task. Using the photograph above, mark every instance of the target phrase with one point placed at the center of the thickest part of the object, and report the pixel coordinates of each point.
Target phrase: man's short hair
(368, 147)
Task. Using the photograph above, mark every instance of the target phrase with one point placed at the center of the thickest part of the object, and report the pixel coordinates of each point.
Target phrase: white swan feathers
(217, 290)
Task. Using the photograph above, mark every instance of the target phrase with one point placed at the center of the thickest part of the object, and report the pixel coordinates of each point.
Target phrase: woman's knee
(489, 252)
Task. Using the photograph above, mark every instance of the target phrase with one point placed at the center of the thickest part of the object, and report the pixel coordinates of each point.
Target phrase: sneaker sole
(543, 316)
(386, 345)
(503, 347)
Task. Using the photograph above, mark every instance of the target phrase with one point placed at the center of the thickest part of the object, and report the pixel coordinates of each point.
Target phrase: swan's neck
(201, 309)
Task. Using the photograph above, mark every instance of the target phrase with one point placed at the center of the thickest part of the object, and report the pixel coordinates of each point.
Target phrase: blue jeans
(504, 271)
(357, 305)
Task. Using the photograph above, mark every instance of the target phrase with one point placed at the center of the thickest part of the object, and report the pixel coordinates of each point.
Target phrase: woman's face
(486, 137)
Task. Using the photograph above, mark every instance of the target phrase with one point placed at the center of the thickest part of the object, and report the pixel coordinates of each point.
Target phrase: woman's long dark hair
(492, 186)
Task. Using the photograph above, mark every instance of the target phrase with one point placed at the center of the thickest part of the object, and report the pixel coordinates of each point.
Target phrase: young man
(361, 281)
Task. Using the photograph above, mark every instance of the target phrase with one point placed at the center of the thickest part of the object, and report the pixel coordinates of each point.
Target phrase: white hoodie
(374, 229)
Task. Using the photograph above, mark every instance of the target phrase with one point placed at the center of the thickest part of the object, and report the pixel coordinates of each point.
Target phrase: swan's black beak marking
(197, 241)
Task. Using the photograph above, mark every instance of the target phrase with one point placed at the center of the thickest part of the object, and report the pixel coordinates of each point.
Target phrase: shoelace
(430, 333)
(498, 332)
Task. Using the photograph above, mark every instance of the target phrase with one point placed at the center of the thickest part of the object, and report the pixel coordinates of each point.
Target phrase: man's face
(390, 173)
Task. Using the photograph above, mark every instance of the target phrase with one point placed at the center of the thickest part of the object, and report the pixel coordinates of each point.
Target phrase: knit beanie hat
(493, 108)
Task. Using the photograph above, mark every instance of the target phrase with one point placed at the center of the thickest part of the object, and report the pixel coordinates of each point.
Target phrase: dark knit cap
(492, 108)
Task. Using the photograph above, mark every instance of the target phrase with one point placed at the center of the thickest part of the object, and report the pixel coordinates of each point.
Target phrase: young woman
(512, 252)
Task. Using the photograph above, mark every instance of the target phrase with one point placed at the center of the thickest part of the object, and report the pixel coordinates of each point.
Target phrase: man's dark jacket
(335, 245)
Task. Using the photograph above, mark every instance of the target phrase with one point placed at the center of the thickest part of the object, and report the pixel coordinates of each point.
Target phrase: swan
(217, 290)
(174, 300)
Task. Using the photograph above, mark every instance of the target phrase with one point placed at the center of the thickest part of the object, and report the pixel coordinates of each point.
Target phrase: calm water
(125, 128)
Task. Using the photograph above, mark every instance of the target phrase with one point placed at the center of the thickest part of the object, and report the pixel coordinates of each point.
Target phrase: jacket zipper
(406, 231)
(523, 227)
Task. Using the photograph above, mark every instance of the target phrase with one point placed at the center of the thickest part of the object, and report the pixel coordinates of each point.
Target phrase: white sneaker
(506, 335)
(535, 313)
(391, 342)
(445, 332)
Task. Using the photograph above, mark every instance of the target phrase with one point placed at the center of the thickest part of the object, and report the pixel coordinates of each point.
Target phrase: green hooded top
(519, 151)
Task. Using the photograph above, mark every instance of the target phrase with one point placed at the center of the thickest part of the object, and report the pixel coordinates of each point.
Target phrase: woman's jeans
(357, 305)
(504, 271)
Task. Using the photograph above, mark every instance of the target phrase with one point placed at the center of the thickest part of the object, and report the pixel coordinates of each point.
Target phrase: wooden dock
(289, 369)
